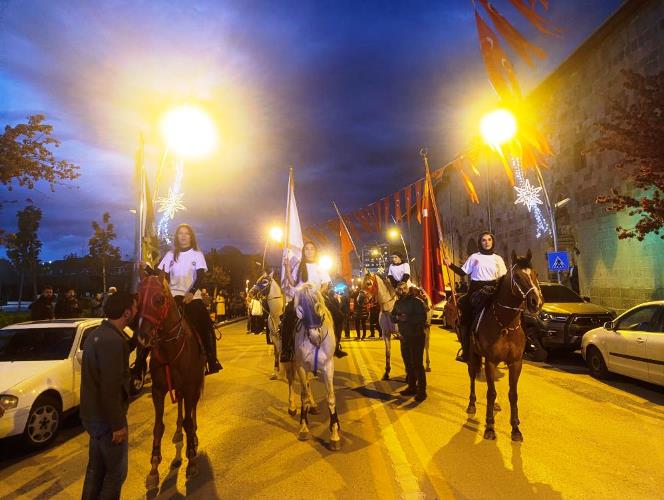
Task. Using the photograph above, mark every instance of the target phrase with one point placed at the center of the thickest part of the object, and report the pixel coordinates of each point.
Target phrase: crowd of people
(67, 304)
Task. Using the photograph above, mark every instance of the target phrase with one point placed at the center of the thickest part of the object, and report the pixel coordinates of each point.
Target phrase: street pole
(488, 198)
(267, 241)
(552, 214)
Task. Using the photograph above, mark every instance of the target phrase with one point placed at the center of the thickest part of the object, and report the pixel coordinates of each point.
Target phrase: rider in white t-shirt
(399, 271)
(185, 266)
(484, 268)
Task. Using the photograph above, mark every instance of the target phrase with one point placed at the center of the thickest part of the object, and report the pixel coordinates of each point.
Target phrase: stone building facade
(616, 273)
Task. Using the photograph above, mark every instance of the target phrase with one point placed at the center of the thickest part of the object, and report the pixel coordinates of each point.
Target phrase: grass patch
(9, 318)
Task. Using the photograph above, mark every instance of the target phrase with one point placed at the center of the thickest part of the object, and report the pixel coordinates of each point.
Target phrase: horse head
(311, 311)
(262, 286)
(523, 282)
(154, 305)
(370, 285)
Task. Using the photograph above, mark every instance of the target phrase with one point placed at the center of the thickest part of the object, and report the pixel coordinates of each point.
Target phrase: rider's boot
(339, 352)
(287, 334)
(213, 364)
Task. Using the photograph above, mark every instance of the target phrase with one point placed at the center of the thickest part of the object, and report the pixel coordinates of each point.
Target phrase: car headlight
(8, 402)
(551, 317)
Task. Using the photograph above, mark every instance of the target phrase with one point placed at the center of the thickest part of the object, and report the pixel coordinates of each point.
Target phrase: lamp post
(276, 234)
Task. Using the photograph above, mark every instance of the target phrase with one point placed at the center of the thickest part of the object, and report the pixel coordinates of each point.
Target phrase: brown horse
(177, 366)
(500, 337)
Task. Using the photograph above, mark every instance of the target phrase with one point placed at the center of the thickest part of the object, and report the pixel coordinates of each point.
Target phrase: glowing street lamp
(325, 262)
(275, 234)
(498, 127)
(394, 234)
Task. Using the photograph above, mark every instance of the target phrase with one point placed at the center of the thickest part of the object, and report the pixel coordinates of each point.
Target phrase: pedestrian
(185, 267)
(574, 275)
(344, 306)
(374, 314)
(96, 308)
(67, 305)
(105, 399)
(410, 314)
(361, 315)
(256, 316)
(42, 308)
(484, 268)
(220, 307)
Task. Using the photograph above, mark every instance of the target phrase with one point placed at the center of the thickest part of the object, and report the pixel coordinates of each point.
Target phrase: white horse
(380, 288)
(314, 354)
(266, 287)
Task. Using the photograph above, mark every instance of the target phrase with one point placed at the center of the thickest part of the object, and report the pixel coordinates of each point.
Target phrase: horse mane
(312, 306)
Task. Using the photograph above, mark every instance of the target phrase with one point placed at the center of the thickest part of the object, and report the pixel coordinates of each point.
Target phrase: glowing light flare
(498, 127)
(393, 234)
(325, 262)
(189, 131)
(276, 234)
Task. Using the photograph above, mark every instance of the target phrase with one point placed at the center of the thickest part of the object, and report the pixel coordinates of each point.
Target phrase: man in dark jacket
(410, 314)
(42, 308)
(105, 399)
(67, 305)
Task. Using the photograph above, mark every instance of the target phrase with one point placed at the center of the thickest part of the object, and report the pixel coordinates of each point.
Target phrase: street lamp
(275, 234)
(325, 262)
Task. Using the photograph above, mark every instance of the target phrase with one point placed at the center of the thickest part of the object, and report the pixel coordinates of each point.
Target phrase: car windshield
(559, 293)
(36, 344)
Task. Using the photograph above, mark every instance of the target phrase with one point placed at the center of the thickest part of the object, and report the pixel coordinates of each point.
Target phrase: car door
(655, 351)
(627, 344)
(78, 358)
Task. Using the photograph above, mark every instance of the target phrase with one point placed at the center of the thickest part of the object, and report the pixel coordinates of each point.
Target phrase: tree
(23, 246)
(26, 156)
(634, 127)
(101, 249)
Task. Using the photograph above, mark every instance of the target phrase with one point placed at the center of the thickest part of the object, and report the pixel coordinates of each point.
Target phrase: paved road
(583, 438)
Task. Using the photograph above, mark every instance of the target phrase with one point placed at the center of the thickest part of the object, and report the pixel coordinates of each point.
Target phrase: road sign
(558, 261)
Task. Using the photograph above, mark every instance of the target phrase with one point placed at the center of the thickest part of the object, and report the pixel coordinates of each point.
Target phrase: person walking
(374, 314)
(361, 314)
(43, 307)
(105, 399)
(410, 314)
(185, 267)
(220, 307)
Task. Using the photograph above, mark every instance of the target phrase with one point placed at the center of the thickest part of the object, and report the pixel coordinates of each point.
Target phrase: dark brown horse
(500, 338)
(177, 366)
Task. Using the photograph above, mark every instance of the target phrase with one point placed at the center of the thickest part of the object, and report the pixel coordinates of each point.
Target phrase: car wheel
(43, 422)
(537, 352)
(136, 383)
(596, 363)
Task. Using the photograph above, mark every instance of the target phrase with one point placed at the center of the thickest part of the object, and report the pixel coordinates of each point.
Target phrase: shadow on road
(477, 469)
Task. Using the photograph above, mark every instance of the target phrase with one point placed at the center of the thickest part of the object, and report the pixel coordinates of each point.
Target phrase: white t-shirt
(482, 267)
(317, 275)
(397, 272)
(183, 272)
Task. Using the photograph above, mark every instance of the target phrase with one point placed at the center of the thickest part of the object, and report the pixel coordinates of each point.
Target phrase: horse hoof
(274, 376)
(176, 463)
(335, 445)
(517, 436)
(292, 413)
(471, 410)
(314, 410)
(428, 369)
(386, 376)
(152, 482)
(303, 436)
(490, 434)
(192, 470)
(496, 407)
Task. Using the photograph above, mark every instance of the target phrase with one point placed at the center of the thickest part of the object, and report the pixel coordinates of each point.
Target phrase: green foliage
(23, 247)
(102, 250)
(9, 318)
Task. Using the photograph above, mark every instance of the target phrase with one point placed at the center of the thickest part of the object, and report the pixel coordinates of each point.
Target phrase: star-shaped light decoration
(528, 195)
(171, 204)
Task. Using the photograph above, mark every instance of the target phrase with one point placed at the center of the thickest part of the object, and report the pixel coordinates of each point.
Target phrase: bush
(9, 318)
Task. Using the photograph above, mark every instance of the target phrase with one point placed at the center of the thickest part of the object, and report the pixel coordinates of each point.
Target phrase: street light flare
(498, 127)
(393, 233)
(325, 262)
(276, 234)
(189, 131)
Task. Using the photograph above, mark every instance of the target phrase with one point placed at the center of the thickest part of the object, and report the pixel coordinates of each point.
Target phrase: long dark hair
(302, 273)
(176, 244)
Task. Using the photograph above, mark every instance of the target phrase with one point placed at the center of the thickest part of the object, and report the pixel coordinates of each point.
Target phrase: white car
(632, 344)
(40, 376)
(438, 313)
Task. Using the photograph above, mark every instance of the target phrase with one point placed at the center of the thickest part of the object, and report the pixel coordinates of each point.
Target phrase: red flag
(540, 22)
(432, 263)
(397, 206)
(361, 217)
(375, 211)
(347, 250)
(418, 199)
(386, 207)
(407, 193)
(352, 228)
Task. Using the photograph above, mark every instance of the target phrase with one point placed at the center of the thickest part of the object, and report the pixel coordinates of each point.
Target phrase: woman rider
(311, 272)
(484, 268)
(185, 267)
(399, 271)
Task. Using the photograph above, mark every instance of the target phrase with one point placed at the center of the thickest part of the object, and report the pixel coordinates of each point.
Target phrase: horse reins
(506, 329)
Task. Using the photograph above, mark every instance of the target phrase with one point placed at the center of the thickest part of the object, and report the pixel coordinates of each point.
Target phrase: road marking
(404, 475)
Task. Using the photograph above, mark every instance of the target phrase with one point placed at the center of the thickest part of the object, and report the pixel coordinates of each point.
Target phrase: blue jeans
(107, 464)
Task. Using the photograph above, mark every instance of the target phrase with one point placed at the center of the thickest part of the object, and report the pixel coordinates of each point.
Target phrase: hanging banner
(418, 199)
(397, 206)
(407, 192)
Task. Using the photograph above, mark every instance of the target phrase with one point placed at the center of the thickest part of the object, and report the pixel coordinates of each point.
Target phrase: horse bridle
(265, 291)
(160, 314)
(514, 283)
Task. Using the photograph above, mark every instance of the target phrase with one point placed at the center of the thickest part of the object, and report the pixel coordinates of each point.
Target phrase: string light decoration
(171, 204)
(529, 196)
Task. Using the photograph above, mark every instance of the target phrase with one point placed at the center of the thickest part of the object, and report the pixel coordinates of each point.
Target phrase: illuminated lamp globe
(393, 233)
(325, 262)
(498, 127)
(189, 131)
(276, 234)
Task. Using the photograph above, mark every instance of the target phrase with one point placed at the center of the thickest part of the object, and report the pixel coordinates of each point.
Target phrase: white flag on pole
(293, 242)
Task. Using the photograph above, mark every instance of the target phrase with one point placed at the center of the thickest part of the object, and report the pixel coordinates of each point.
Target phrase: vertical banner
(418, 199)
(432, 263)
(407, 194)
(397, 206)
(293, 242)
(386, 208)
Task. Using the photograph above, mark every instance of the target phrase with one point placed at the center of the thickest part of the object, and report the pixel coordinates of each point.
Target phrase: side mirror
(79, 357)
(609, 325)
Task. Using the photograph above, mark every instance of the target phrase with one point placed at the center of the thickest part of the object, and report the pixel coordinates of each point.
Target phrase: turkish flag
(432, 263)
(346, 253)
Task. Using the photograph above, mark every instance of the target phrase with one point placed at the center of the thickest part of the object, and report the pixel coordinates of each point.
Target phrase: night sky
(347, 92)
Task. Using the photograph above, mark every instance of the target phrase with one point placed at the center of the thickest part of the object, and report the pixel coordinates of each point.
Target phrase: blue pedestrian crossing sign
(558, 261)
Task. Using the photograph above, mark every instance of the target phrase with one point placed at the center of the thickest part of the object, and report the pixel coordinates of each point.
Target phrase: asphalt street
(583, 438)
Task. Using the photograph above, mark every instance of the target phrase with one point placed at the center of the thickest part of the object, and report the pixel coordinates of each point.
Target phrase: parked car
(632, 344)
(438, 313)
(564, 319)
(40, 376)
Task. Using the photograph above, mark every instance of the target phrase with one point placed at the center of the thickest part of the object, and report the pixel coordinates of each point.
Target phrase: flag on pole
(432, 262)
(293, 242)
(347, 248)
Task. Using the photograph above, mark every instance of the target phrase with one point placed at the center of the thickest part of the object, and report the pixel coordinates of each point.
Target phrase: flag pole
(343, 223)
(429, 187)
(140, 213)
(284, 256)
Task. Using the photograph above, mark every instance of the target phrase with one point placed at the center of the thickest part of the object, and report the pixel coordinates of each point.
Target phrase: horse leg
(386, 328)
(290, 376)
(473, 368)
(190, 401)
(490, 371)
(313, 407)
(303, 433)
(515, 372)
(152, 480)
(177, 437)
(427, 332)
(276, 344)
(328, 377)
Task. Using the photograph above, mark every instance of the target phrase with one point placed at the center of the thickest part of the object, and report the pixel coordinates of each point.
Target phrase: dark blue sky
(346, 91)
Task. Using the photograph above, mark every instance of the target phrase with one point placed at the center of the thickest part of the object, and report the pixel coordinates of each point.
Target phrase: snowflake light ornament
(169, 205)
(528, 195)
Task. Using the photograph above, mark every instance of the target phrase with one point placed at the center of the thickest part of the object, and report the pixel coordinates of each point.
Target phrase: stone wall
(616, 273)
